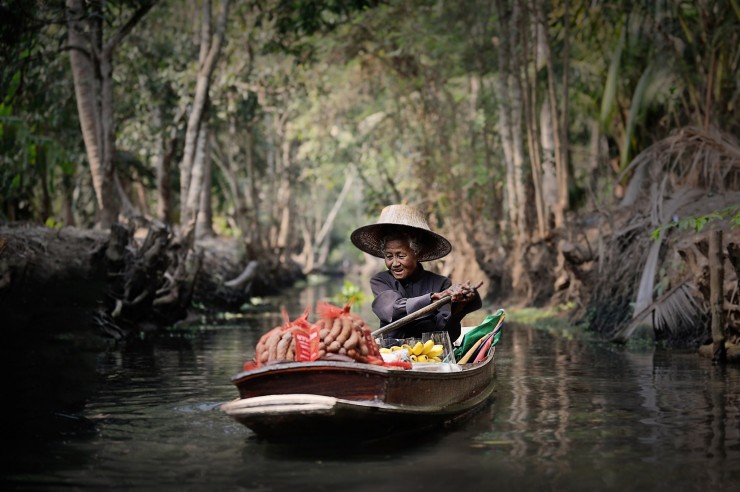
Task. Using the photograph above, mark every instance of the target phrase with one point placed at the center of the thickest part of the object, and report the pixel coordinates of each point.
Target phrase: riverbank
(131, 279)
(127, 279)
(558, 322)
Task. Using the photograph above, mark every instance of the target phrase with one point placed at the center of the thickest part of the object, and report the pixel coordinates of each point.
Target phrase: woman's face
(400, 259)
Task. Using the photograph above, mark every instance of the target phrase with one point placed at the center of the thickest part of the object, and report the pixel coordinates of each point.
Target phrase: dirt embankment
(121, 281)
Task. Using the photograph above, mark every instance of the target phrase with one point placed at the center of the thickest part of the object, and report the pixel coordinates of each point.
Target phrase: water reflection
(589, 415)
(566, 415)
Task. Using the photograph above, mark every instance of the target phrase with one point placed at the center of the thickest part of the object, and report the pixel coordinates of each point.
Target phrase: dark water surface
(567, 415)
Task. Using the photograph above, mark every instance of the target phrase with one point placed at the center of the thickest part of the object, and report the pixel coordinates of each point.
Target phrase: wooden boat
(349, 399)
(328, 399)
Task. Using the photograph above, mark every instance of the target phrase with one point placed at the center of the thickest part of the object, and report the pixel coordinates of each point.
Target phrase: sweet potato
(336, 328)
(346, 330)
(282, 347)
(362, 345)
(272, 344)
(353, 339)
(290, 355)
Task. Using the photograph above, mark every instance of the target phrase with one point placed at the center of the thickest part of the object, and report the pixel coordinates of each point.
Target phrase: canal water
(567, 414)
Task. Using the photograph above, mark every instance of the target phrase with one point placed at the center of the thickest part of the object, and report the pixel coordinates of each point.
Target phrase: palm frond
(704, 159)
(676, 310)
(636, 107)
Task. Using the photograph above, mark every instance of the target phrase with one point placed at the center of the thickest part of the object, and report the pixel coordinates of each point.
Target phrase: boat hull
(333, 399)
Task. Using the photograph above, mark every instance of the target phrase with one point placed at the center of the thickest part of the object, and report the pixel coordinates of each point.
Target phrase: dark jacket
(395, 299)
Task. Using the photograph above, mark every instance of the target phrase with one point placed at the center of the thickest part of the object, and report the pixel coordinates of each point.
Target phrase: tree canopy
(286, 124)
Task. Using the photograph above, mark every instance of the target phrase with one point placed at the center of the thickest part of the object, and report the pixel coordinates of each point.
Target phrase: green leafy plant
(350, 293)
(52, 223)
(731, 214)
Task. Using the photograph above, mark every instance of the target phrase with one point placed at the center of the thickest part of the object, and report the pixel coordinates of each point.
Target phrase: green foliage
(401, 92)
(39, 132)
(28, 159)
(697, 224)
(52, 223)
(610, 90)
(350, 294)
(294, 21)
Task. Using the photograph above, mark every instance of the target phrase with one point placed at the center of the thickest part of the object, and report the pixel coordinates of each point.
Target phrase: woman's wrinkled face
(400, 259)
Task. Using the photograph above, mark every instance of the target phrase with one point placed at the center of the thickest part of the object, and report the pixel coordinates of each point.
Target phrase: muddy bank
(117, 283)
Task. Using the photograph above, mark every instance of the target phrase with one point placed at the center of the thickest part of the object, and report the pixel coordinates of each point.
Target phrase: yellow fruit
(385, 350)
(435, 359)
(436, 350)
(422, 358)
(413, 358)
(427, 346)
(417, 348)
(395, 348)
(406, 346)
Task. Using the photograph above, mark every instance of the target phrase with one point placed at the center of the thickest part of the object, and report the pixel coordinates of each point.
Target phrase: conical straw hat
(401, 218)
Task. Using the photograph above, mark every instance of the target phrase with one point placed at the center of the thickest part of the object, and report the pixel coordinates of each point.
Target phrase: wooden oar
(413, 316)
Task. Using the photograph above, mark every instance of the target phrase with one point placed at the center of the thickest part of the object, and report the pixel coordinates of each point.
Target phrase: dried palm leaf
(661, 211)
(692, 172)
(679, 307)
(708, 160)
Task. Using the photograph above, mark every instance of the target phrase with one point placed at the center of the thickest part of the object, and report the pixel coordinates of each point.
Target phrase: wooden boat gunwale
(342, 365)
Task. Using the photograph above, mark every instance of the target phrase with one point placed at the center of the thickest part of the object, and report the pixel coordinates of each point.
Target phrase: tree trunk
(563, 177)
(549, 178)
(163, 165)
(511, 136)
(529, 92)
(68, 216)
(204, 222)
(254, 233)
(87, 89)
(316, 247)
(226, 161)
(560, 169)
(717, 295)
(193, 200)
(208, 58)
(42, 160)
(504, 119)
(516, 129)
(92, 72)
(285, 201)
(281, 181)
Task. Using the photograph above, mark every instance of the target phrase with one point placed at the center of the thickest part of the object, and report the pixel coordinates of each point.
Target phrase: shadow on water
(346, 448)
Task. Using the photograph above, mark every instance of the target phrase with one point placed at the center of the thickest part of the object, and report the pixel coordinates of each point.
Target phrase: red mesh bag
(280, 343)
(342, 332)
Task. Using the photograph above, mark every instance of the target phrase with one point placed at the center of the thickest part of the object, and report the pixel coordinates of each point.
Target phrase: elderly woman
(403, 239)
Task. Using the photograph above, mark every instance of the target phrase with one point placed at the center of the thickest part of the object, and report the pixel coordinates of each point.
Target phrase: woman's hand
(460, 293)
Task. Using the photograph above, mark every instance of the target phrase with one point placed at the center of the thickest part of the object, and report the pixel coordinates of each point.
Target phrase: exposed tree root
(121, 281)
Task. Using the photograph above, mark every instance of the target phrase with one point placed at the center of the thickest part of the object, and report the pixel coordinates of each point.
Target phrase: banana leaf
(490, 324)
